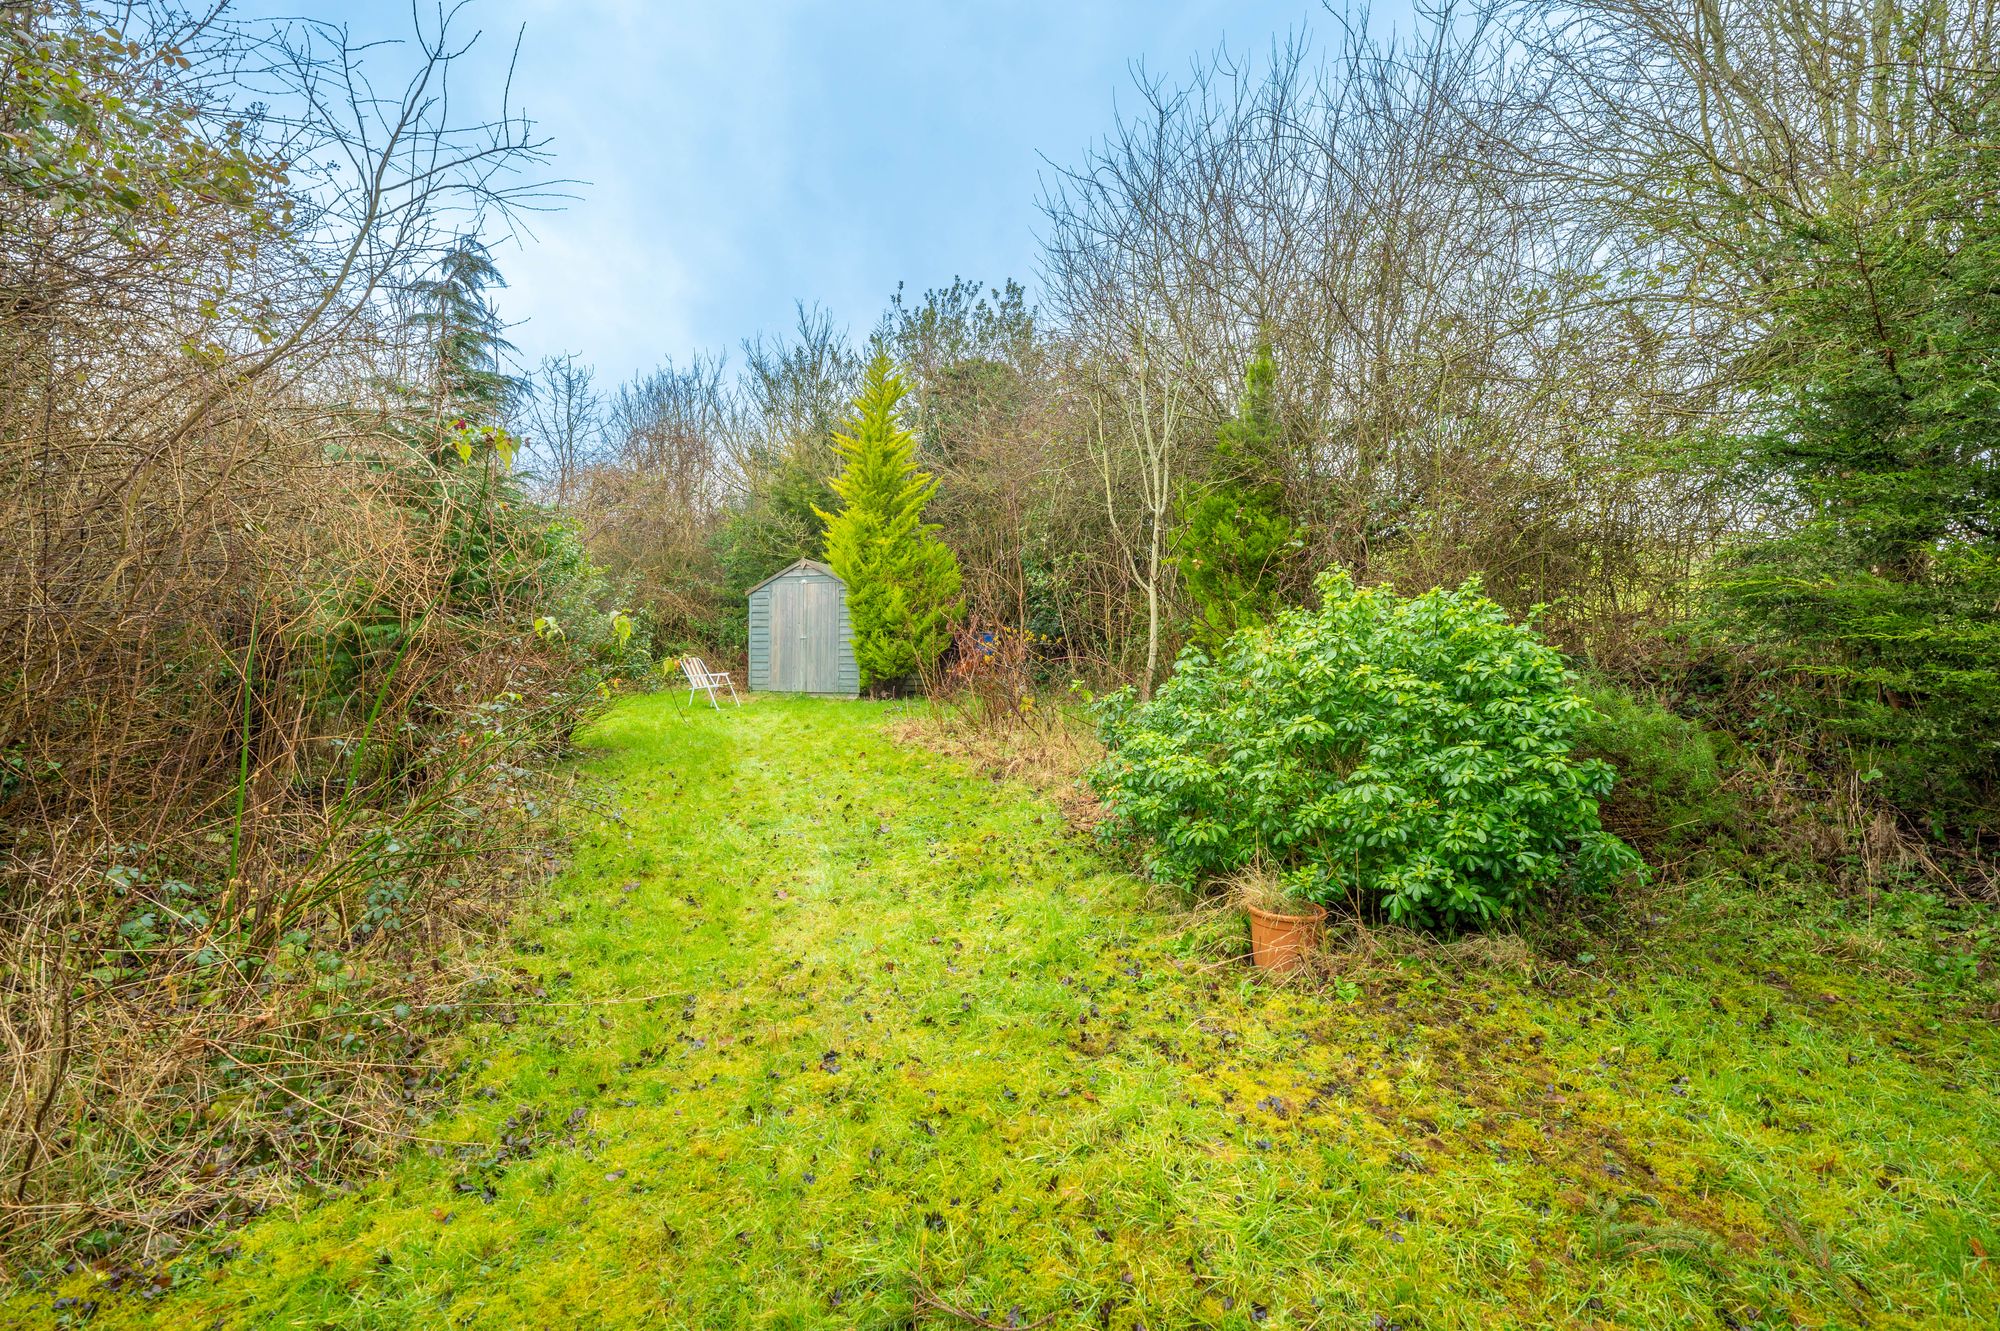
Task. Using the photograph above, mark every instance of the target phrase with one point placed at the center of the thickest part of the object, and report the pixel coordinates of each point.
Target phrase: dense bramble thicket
(287, 639)
(1412, 757)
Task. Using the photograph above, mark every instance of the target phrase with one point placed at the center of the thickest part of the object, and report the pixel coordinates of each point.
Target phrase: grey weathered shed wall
(760, 638)
(801, 639)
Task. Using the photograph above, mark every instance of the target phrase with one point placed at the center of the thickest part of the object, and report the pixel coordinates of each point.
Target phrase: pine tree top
(1252, 440)
(879, 476)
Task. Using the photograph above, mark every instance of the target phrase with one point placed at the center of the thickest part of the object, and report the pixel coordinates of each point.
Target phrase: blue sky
(740, 156)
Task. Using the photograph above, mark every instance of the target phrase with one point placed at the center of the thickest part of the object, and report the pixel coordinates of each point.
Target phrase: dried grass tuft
(1049, 748)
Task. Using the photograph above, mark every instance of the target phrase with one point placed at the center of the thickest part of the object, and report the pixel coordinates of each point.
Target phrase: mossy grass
(840, 1033)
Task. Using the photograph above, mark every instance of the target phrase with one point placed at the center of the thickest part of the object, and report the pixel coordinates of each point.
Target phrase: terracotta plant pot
(1280, 942)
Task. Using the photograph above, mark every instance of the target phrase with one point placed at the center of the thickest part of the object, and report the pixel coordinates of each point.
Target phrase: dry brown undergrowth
(1048, 750)
(267, 759)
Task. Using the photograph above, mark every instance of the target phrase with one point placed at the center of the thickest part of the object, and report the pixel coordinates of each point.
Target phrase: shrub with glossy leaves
(1409, 755)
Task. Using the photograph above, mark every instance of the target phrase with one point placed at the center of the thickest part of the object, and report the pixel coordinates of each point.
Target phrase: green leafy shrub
(1407, 755)
(1669, 795)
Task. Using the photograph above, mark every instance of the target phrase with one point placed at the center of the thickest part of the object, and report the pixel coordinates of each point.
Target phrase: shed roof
(810, 564)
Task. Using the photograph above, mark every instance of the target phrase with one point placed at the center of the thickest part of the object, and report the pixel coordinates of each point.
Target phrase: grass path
(912, 1050)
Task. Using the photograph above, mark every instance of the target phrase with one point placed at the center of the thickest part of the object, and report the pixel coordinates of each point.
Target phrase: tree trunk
(1152, 613)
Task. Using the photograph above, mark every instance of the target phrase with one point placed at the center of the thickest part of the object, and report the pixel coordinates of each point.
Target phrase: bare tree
(795, 392)
(986, 406)
(651, 500)
(1136, 461)
(1459, 395)
(560, 416)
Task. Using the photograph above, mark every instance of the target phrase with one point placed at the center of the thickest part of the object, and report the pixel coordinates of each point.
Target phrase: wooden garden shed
(800, 638)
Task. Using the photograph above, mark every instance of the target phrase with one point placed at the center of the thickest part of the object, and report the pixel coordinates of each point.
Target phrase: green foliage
(902, 582)
(777, 525)
(966, 351)
(514, 566)
(464, 333)
(602, 642)
(93, 120)
(1413, 755)
(1881, 583)
(1669, 796)
(1234, 533)
(776, 522)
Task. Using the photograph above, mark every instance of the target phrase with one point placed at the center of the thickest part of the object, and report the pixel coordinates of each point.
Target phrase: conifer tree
(1235, 535)
(902, 582)
(465, 333)
(1877, 574)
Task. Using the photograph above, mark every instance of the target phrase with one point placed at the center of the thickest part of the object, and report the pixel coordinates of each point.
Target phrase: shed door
(805, 627)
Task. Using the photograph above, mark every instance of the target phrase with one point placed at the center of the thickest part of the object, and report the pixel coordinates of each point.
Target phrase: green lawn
(842, 1034)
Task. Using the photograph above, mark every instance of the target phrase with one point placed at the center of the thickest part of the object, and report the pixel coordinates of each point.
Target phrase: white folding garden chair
(703, 680)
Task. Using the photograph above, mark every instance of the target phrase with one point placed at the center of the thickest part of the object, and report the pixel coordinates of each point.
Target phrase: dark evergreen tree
(1234, 534)
(464, 334)
(1880, 469)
